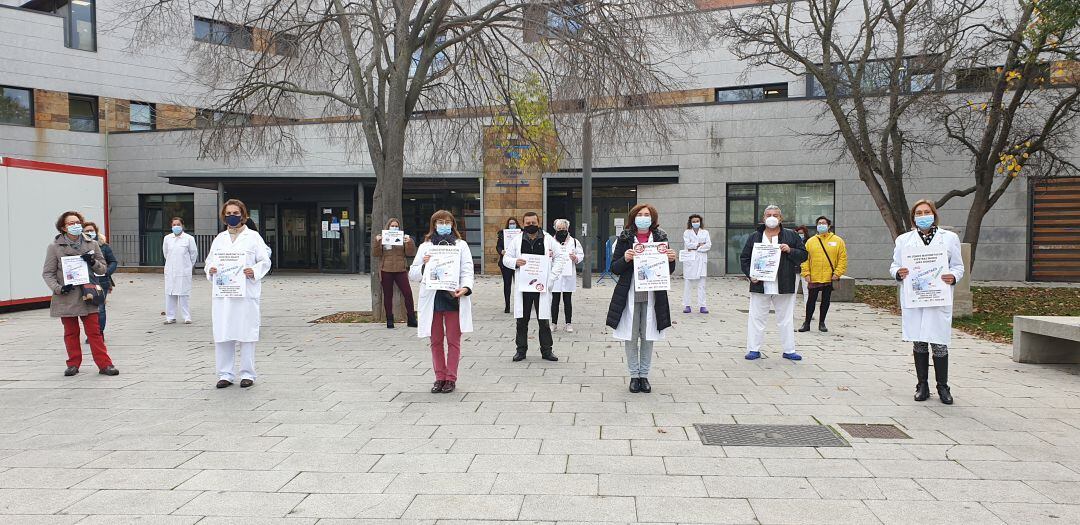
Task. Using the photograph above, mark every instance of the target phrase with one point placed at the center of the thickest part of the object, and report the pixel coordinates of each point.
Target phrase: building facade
(76, 94)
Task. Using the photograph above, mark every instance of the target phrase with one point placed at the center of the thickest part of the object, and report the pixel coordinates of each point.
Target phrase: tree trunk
(976, 214)
(386, 203)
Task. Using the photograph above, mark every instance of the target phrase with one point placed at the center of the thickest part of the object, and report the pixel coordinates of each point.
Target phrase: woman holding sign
(568, 254)
(69, 262)
(236, 264)
(444, 268)
(640, 314)
(392, 246)
(507, 272)
(927, 261)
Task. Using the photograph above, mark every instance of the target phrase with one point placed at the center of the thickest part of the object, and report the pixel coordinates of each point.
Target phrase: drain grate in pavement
(858, 430)
(770, 436)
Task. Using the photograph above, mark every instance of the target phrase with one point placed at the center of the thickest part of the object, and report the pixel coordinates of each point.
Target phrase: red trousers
(93, 333)
(388, 279)
(445, 324)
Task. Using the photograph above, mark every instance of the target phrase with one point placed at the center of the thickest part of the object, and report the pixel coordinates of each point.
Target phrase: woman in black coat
(507, 273)
(638, 318)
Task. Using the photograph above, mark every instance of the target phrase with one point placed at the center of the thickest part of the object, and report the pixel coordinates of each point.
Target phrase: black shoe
(645, 386)
(246, 383)
(922, 392)
(70, 371)
(635, 385)
(944, 394)
(411, 322)
(548, 356)
(520, 356)
(389, 321)
(437, 387)
(506, 310)
(109, 371)
(805, 327)
(821, 327)
(223, 383)
(448, 387)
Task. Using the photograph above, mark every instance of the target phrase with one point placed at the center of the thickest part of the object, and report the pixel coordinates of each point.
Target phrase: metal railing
(145, 249)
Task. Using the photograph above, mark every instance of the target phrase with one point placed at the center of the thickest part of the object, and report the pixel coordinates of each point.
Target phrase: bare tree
(381, 66)
(1020, 116)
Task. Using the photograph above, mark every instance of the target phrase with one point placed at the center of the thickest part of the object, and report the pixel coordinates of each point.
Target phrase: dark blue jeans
(101, 310)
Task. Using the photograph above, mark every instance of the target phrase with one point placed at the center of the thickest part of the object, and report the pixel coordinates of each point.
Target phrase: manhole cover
(770, 436)
(859, 430)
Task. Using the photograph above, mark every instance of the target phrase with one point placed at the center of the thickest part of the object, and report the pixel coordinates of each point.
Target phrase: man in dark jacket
(778, 294)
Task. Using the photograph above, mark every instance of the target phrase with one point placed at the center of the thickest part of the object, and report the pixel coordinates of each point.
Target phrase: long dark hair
(446, 216)
(690, 221)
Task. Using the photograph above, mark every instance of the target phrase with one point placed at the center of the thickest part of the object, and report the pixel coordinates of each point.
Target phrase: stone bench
(1046, 339)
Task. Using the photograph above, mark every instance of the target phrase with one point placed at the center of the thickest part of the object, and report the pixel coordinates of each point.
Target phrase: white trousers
(799, 281)
(171, 302)
(784, 304)
(688, 289)
(226, 360)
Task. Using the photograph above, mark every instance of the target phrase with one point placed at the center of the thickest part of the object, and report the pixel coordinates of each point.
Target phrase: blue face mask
(822, 228)
(177, 230)
(695, 225)
(643, 223)
(924, 222)
(512, 227)
(74, 229)
(443, 229)
(91, 234)
(233, 220)
(394, 228)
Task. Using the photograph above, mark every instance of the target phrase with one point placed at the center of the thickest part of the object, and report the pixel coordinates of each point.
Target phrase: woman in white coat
(237, 319)
(696, 240)
(929, 328)
(568, 254)
(444, 314)
(180, 254)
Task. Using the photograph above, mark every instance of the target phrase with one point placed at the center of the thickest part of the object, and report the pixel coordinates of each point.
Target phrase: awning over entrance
(635, 175)
(209, 179)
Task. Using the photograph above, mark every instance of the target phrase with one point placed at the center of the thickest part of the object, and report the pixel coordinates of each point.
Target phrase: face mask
(74, 229)
(532, 229)
(177, 230)
(695, 225)
(924, 222)
(512, 227)
(801, 236)
(394, 228)
(561, 235)
(91, 234)
(443, 229)
(772, 222)
(643, 223)
(233, 220)
(822, 228)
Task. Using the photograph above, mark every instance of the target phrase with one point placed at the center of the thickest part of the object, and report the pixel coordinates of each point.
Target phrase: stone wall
(508, 191)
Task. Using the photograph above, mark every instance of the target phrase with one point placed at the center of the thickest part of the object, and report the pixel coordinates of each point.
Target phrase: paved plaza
(340, 427)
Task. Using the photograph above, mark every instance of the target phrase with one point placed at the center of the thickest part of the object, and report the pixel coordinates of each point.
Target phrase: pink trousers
(445, 324)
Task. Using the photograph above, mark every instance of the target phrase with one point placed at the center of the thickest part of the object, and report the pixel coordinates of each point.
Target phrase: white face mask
(771, 222)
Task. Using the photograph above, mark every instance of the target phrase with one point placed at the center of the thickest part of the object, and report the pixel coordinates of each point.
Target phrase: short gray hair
(772, 207)
(560, 221)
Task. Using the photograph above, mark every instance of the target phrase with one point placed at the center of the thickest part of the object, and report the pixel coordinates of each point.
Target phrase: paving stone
(932, 512)
(773, 511)
(982, 490)
(236, 503)
(534, 483)
(694, 510)
(459, 506)
(367, 506)
(651, 485)
(578, 508)
(137, 478)
(38, 501)
(132, 502)
(750, 487)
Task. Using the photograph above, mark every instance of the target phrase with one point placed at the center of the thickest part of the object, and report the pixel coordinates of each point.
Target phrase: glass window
(155, 212)
(800, 202)
(746, 93)
(82, 113)
(222, 33)
(16, 106)
(143, 116)
(81, 25)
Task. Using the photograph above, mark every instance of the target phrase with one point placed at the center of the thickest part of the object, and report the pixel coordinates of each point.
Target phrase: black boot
(805, 326)
(411, 322)
(922, 371)
(821, 326)
(941, 373)
(389, 321)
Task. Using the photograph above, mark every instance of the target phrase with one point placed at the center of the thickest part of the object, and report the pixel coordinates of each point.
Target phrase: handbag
(92, 294)
(814, 286)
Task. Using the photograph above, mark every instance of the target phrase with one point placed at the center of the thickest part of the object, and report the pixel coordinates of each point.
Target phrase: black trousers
(826, 295)
(568, 305)
(508, 284)
(529, 302)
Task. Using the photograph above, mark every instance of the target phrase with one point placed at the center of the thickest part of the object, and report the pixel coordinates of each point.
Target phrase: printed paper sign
(686, 255)
(765, 261)
(76, 271)
(229, 281)
(651, 270)
(394, 238)
(923, 287)
(533, 277)
(443, 269)
(511, 238)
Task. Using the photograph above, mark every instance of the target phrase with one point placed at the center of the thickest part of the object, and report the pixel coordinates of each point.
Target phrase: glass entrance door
(297, 233)
(336, 227)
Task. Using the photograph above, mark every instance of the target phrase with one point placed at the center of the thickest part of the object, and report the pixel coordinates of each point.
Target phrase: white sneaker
(554, 328)
(569, 328)
(187, 321)
(169, 321)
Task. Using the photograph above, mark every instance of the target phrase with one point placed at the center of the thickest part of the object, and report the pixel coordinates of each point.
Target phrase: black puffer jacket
(623, 288)
(789, 262)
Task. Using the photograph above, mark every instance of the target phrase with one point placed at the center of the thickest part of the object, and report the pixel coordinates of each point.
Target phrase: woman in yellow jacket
(827, 261)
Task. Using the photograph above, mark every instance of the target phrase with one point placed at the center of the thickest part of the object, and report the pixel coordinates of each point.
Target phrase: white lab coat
(566, 276)
(426, 303)
(931, 325)
(624, 331)
(238, 318)
(180, 255)
(699, 243)
(510, 261)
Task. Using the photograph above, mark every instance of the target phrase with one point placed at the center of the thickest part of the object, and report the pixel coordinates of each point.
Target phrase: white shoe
(569, 328)
(187, 321)
(169, 321)
(554, 328)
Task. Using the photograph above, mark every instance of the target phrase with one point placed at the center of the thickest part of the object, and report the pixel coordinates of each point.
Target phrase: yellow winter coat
(816, 269)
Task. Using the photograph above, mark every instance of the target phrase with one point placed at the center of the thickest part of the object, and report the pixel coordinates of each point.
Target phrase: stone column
(508, 190)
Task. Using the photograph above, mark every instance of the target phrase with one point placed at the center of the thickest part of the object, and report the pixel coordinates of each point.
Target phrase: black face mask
(561, 235)
(532, 229)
